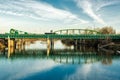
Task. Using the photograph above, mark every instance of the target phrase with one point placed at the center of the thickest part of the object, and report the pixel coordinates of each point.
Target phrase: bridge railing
(62, 36)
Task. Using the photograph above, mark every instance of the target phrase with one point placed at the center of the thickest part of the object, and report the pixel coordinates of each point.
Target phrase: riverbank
(110, 48)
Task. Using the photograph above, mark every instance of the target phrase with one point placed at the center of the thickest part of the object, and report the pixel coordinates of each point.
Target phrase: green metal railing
(62, 36)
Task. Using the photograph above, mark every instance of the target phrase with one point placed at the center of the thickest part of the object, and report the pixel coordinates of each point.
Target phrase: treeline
(106, 30)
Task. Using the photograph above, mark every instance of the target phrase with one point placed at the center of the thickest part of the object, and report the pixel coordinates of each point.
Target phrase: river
(62, 63)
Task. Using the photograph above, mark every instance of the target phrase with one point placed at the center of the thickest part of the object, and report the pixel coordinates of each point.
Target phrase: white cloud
(86, 5)
(36, 66)
(38, 10)
(83, 71)
(105, 3)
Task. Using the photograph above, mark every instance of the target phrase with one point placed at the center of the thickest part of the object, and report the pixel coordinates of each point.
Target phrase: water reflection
(58, 64)
(64, 56)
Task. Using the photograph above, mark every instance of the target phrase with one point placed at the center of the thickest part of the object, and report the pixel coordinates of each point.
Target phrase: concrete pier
(11, 46)
(50, 45)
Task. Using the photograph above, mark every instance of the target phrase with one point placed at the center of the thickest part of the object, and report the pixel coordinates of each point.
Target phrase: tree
(107, 30)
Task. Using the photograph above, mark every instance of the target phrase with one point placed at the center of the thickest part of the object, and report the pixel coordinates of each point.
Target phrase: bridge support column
(24, 44)
(50, 45)
(76, 44)
(11, 46)
(20, 44)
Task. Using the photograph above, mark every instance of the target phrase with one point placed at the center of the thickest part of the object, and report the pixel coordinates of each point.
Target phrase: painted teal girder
(61, 36)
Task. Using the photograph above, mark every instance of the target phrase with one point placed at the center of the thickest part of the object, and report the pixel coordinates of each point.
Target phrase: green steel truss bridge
(61, 34)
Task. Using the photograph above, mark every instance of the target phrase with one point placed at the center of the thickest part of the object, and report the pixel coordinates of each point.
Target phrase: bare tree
(107, 30)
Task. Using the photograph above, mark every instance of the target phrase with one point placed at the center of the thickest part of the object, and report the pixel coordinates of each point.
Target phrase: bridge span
(51, 36)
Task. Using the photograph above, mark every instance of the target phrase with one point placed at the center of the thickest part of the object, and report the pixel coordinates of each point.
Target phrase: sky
(39, 16)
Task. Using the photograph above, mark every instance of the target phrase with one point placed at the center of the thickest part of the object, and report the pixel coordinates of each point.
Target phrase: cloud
(37, 66)
(38, 10)
(83, 71)
(105, 3)
(86, 5)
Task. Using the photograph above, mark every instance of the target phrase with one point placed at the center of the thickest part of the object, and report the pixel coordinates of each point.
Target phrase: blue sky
(43, 15)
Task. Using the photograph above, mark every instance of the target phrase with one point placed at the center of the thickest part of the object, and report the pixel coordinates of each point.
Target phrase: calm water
(34, 63)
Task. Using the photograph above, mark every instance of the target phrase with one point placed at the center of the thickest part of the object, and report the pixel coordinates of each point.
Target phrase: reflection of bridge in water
(65, 56)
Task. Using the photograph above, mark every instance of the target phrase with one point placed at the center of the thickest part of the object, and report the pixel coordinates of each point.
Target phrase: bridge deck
(62, 36)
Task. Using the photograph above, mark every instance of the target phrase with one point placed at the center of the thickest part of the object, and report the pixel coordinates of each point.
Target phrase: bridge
(59, 34)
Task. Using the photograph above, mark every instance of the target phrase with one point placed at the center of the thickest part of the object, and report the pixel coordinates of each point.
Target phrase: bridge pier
(20, 44)
(50, 45)
(76, 44)
(11, 46)
(79, 43)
